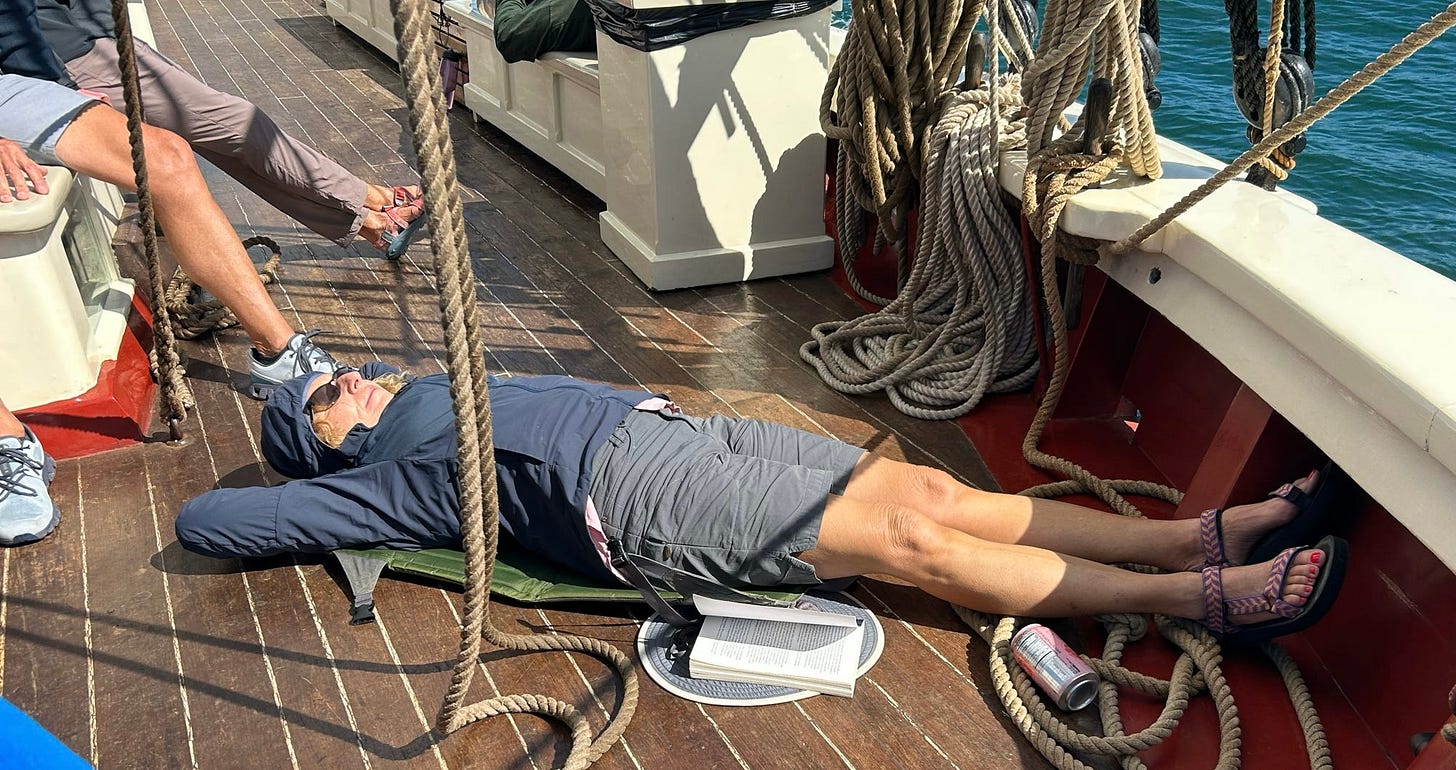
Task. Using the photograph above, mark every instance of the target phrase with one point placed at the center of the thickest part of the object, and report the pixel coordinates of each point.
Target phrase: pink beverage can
(1054, 666)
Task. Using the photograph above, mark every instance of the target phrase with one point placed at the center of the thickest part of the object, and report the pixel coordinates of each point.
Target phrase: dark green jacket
(525, 29)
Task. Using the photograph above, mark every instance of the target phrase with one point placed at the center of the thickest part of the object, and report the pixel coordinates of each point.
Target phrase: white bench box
(62, 302)
(708, 154)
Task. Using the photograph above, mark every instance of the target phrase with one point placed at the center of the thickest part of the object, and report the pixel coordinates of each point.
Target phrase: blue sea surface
(1383, 164)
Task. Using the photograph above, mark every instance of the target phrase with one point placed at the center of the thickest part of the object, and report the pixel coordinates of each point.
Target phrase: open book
(785, 646)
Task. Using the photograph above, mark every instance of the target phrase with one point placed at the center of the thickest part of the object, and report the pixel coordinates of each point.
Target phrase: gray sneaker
(26, 511)
(300, 357)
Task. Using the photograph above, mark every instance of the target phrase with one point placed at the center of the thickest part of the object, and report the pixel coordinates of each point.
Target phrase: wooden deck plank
(45, 662)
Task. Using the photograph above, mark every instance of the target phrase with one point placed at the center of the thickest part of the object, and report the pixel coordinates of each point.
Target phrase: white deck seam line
(901, 710)
(383, 630)
(799, 705)
(172, 625)
(298, 568)
(724, 736)
(91, 715)
(494, 688)
(916, 633)
(248, 588)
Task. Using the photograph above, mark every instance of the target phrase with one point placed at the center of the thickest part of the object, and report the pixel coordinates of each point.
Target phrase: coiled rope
(465, 354)
(173, 391)
(960, 327)
(194, 313)
(883, 95)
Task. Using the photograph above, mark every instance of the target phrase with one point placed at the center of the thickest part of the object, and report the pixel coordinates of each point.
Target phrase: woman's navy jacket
(395, 485)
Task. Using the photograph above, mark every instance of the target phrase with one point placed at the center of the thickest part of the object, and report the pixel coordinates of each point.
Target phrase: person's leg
(10, 425)
(245, 143)
(1062, 527)
(857, 538)
(204, 242)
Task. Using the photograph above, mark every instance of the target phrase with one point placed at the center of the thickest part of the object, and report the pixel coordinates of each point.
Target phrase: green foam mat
(521, 575)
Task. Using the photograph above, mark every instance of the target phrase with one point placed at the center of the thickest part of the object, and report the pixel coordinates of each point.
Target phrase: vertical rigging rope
(465, 354)
(173, 392)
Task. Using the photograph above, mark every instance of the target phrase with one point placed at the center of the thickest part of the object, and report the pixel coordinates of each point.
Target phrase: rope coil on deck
(465, 353)
(194, 315)
(960, 327)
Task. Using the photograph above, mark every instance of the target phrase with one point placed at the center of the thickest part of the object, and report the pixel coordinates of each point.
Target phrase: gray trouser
(235, 136)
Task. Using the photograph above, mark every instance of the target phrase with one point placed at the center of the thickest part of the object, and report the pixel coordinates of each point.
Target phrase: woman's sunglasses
(328, 394)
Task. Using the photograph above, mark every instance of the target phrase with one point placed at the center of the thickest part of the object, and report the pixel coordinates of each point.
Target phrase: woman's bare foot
(1243, 525)
(1250, 580)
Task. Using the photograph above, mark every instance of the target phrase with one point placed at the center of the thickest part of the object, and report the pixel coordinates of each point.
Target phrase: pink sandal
(403, 224)
(1217, 611)
(1210, 525)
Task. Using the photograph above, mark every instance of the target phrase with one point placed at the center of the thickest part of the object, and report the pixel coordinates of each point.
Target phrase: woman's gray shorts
(726, 498)
(34, 113)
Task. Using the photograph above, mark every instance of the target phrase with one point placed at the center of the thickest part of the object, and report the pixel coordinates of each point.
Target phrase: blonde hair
(330, 434)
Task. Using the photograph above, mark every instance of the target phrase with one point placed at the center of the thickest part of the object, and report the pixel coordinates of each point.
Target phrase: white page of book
(796, 649)
(719, 607)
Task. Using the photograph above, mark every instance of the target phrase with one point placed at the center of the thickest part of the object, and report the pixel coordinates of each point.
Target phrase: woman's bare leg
(857, 537)
(1057, 526)
(204, 242)
(9, 425)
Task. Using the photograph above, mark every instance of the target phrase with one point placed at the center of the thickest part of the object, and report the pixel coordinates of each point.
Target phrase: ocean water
(1383, 165)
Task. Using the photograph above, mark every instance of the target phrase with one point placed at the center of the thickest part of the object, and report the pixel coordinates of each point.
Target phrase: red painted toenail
(1315, 557)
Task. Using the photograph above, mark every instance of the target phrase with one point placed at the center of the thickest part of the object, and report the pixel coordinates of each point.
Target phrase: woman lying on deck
(744, 502)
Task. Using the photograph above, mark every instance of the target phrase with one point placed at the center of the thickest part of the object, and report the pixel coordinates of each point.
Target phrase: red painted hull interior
(117, 412)
(1143, 401)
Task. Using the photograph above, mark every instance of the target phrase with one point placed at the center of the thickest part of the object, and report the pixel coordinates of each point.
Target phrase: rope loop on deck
(465, 354)
(195, 314)
(173, 392)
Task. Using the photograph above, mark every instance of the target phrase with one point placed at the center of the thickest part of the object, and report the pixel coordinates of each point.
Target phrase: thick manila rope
(470, 398)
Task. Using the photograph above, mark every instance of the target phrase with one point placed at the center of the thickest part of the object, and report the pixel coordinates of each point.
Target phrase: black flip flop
(1316, 511)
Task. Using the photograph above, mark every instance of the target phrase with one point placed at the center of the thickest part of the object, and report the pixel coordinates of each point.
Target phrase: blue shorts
(726, 498)
(34, 113)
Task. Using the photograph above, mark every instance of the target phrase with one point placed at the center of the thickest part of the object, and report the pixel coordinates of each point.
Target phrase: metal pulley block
(1293, 90)
(1026, 18)
(1152, 65)
(1293, 93)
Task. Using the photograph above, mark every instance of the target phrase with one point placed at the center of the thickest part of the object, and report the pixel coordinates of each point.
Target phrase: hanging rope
(960, 327)
(173, 392)
(1054, 79)
(884, 93)
(465, 354)
(1337, 96)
